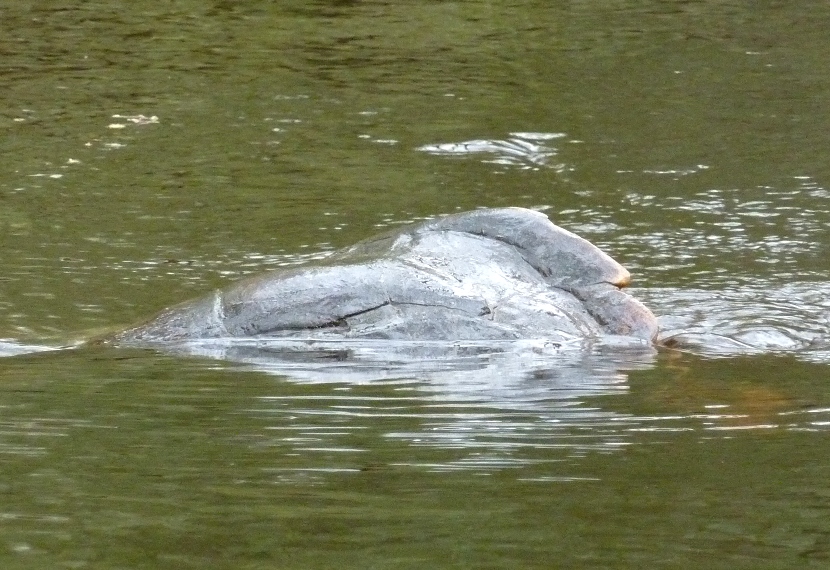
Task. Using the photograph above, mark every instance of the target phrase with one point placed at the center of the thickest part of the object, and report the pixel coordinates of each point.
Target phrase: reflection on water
(522, 150)
(792, 318)
(515, 405)
(458, 366)
(335, 409)
(489, 400)
(254, 135)
(11, 348)
(764, 235)
(129, 455)
(106, 449)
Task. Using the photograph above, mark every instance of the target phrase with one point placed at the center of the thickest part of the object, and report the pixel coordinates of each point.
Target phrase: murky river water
(154, 151)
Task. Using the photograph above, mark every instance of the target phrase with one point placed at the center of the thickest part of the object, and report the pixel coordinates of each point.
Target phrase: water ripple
(526, 151)
(750, 319)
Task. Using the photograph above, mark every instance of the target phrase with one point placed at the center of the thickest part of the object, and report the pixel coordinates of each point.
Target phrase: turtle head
(566, 261)
(576, 265)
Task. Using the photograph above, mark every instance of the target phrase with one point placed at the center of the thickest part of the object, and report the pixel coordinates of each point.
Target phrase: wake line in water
(765, 318)
(11, 348)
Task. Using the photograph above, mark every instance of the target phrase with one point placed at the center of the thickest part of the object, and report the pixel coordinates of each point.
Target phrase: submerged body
(490, 274)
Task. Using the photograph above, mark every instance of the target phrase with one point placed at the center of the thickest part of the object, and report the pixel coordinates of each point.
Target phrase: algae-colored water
(154, 151)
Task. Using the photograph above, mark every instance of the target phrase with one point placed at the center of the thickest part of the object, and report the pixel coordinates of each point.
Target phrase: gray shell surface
(488, 274)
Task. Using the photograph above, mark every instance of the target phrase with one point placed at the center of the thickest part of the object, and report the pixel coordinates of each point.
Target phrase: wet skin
(505, 273)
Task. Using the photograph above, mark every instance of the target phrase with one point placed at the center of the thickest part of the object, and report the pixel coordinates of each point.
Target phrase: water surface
(153, 152)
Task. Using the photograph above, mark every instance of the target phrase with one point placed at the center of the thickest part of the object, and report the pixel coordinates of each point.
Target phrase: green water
(128, 460)
(153, 151)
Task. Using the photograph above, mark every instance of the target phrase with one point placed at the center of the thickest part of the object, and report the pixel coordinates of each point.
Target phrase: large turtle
(488, 274)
